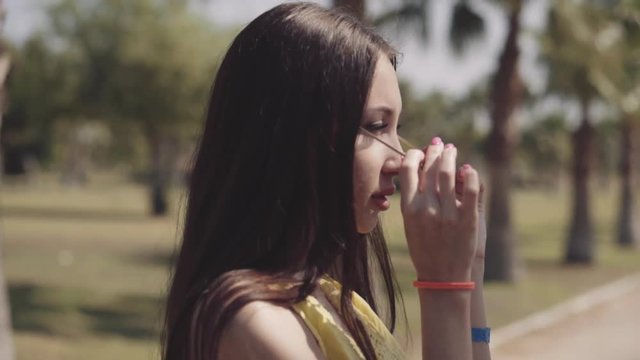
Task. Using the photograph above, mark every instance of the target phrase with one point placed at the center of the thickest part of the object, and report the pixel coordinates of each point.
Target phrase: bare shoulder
(262, 330)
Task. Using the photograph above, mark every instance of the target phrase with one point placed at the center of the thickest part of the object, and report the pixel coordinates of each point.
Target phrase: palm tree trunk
(505, 98)
(580, 244)
(355, 7)
(6, 344)
(7, 351)
(626, 234)
(159, 173)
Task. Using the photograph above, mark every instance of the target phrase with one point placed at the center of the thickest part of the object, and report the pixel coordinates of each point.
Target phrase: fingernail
(449, 146)
(436, 141)
(466, 167)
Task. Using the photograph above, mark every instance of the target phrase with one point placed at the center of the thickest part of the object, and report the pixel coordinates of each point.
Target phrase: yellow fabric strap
(336, 342)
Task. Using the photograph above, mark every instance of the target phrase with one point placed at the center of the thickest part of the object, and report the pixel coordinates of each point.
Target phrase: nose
(393, 161)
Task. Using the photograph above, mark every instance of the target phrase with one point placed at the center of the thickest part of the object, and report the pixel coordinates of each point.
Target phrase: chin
(367, 225)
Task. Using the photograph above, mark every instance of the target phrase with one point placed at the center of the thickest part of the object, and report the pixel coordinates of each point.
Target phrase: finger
(471, 193)
(432, 154)
(459, 184)
(482, 225)
(409, 175)
(446, 182)
(460, 188)
(427, 177)
(481, 198)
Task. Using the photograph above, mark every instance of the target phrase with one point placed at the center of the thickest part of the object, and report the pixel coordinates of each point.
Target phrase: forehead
(384, 92)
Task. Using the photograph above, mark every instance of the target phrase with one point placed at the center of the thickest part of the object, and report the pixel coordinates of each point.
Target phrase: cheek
(358, 185)
(365, 173)
(365, 178)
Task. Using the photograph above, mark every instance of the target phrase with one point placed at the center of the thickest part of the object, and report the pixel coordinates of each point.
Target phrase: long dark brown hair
(271, 191)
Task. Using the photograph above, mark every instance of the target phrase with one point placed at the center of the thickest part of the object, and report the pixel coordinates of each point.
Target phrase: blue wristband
(481, 334)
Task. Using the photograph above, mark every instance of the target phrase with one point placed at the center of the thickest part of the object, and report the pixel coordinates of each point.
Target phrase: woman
(281, 234)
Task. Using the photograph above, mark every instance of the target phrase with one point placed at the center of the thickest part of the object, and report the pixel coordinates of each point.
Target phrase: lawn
(87, 269)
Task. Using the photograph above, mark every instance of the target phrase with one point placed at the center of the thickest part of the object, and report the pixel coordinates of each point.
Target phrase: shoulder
(262, 330)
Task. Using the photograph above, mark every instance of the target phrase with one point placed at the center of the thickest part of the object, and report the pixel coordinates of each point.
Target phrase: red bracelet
(432, 285)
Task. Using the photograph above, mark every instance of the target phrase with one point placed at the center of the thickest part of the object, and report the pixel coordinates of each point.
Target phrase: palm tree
(355, 7)
(6, 343)
(619, 85)
(626, 235)
(578, 46)
(628, 100)
(506, 93)
(409, 12)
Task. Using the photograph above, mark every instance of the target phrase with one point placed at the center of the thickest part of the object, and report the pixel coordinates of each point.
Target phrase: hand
(441, 230)
(482, 224)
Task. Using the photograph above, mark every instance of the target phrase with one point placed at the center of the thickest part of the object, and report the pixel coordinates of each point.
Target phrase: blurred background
(102, 103)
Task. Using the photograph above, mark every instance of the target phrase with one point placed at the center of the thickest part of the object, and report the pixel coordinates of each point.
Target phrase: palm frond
(466, 26)
(411, 13)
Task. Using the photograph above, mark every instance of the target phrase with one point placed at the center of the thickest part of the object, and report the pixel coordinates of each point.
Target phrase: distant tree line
(126, 82)
(114, 82)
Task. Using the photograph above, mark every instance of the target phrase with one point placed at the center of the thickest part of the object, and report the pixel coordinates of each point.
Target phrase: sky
(427, 67)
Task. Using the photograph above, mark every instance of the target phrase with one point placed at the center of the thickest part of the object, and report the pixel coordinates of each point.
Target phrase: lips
(380, 200)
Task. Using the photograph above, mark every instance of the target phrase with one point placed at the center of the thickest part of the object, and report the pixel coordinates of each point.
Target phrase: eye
(376, 126)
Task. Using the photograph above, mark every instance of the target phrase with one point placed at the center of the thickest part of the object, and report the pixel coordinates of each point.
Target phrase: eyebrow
(382, 108)
(386, 110)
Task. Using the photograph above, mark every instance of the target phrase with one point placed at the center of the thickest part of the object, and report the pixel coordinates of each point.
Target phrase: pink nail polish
(449, 146)
(436, 141)
(466, 167)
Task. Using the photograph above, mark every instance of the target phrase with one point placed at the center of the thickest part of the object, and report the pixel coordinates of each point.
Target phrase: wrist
(461, 276)
(445, 299)
(477, 269)
(478, 262)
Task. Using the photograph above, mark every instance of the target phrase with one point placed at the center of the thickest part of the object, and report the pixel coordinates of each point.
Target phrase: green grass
(87, 269)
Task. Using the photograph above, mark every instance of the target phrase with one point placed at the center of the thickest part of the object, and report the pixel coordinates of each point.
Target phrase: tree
(451, 119)
(619, 85)
(6, 343)
(578, 46)
(506, 93)
(355, 7)
(505, 97)
(147, 64)
(156, 66)
(42, 89)
(545, 149)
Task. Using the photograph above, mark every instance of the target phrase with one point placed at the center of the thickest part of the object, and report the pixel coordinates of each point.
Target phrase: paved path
(602, 325)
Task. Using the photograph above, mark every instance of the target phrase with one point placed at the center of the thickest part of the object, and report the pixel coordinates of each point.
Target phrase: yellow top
(336, 343)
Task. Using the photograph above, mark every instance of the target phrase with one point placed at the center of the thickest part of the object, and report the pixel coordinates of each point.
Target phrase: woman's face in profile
(375, 164)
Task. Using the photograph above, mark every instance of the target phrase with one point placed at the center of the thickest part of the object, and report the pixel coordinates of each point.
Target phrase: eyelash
(376, 126)
(380, 126)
